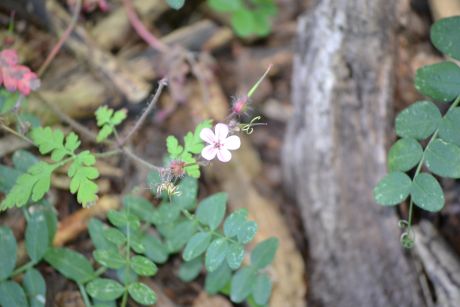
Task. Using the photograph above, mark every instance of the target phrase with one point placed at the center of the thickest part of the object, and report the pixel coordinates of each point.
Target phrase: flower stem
(84, 295)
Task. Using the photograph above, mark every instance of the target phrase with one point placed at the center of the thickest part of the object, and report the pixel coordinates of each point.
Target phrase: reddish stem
(62, 39)
(141, 30)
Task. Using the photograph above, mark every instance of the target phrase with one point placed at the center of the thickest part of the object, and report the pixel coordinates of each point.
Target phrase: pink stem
(141, 30)
(62, 39)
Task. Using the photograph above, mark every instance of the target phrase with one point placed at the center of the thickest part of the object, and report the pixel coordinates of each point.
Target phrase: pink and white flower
(219, 144)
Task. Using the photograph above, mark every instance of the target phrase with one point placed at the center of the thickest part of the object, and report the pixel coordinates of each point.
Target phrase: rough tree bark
(335, 153)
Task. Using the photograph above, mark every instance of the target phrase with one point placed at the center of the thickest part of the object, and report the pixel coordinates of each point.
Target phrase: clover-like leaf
(216, 254)
(8, 249)
(196, 246)
(404, 154)
(264, 252)
(262, 289)
(104, 289)
(142, 294)
(450, 127)
(143, 266)
(242, 284)
(392, 189)
(218, 279)
(235, 255)
(446, 37)
(190, 270)
(37, 239)
(35, 287)
(176, 4)
(11, 294)
(211, 210)
(440, 81)
(71, 264)
(427, 193)
(443, 158)
(418, 121)
(109, 258)
(234, 222)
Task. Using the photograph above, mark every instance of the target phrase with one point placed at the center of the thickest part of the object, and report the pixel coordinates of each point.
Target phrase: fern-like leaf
(31, 185)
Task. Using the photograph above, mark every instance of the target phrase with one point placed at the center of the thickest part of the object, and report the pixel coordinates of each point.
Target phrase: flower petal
(208, 136)
(224, 155)
(232, 142)
(209, 152)
(221, 131)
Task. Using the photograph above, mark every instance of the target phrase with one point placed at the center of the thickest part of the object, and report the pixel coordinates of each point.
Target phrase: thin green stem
(100, 271)
(124, 300)
(15, 133)
(23, 268)
(84, 295)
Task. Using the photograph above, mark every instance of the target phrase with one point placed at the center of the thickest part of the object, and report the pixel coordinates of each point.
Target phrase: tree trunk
(335, 153)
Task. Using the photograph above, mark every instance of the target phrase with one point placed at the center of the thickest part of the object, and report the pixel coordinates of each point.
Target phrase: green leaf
(176, 4)
(8, 249)
(103, 115)
(142, 294)
(443, 158)
(218, 279)
(135, 242)
(225, 5)
(247, 232)
(262, 25)
(211, 210)
(34, 184)
(243, 22)
(35, 287)
(216, 254)
(12, 295)
(23, 160)
(126, 275)
(155, 250)
(139, 206)
(114, 236)
(109, 258)
(450, 127)
(262, 289)
(72, 142)
(118, 117)
(48, 140)
(404, 155)
(82, 172)
(122, 219)
(235, 255)
(37, 238)
(166, 214)
(440, 81)
(446, 37)
(104, 289)
(143, 266)
(188, 187)
(96, 231)
(193, 169)
(234, 222)
(196, 246)
(427, 193)
(71, 264)
(180, 234)
(242, 284)
(173, 146)
(392, 189)
(104, 133)
(418, 121)
(190, 270)
(82, 184)
(264, 252)
(7, 100)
